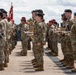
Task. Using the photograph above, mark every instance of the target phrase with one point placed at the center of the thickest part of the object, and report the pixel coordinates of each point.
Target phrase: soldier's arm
(40, 37)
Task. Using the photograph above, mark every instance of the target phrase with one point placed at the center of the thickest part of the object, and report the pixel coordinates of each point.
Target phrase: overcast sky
(52, 8)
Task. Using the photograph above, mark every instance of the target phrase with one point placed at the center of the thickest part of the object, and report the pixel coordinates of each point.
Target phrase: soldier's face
(37, 18)
(68, 14)
(23, 22)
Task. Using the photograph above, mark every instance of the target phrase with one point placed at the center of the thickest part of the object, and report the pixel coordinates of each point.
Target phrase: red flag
(11, 12)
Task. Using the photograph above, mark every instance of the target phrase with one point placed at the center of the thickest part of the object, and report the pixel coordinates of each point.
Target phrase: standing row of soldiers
(7, 38)
(36, 30)
(67, 36)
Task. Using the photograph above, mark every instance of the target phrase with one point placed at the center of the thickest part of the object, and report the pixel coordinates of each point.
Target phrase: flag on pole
(11, 12)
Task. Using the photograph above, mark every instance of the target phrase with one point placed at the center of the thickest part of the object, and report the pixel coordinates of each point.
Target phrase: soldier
(34, 22)
(13, 40)
(63, 25)
(14, 37)
(24, 37)
(73, 39)
(69, 62)
(39, 41)
(1, 44)
(53, 38)
(47, 34)
(31, 29)
(7, 36)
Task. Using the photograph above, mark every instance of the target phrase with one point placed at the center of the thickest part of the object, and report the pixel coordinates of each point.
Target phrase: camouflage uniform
(47, 36)
(50, 37)
(24, 39)
(53, 41)
(66, 46)
(7, 37)
(1, 46)
(63, 41)
(10, 34)
(54, 44)
(31, 29)
(73, 38)
(39, 29)
(13, 39)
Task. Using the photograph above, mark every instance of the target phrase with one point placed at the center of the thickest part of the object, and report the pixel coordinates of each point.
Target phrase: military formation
(7, 38)
(35, 30)
(66, 36)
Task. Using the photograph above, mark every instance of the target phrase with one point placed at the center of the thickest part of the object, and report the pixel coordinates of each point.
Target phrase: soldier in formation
(38, 41)
(68, 60)
(52, 37)
(24, 36)
(6, 35)
(73, 39)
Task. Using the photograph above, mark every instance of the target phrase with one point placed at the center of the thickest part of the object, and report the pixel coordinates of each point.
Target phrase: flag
(11, 12)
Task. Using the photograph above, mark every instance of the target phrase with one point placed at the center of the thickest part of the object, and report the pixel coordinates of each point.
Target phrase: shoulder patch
(42, 24)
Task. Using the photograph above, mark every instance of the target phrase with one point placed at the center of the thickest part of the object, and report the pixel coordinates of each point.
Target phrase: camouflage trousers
(38, 53)
(24, 46)
(67, 49)
(14, 42)
(48, 41)
(54, 43)
(29, 44)
(10, 45)
(34, 50)
(63, 45)
(1, 51)
(74, 49)
(50, 37)
(6, 52)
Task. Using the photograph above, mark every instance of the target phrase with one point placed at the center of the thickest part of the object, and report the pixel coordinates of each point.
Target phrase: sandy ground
(21, 65)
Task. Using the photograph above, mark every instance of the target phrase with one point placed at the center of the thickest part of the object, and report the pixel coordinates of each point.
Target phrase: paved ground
(21, 65)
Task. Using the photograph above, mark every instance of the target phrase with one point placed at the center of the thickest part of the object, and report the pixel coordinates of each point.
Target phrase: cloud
(51, 8)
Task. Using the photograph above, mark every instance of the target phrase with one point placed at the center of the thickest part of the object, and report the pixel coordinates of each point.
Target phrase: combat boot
(51, 52)
(34, 60)
(64, 63)
(36, 66)
(62, 60)
(1, 67)
(70, 65)
(23, 54)
(40, 68)
(5, 65)
(34, 63)
(73, 70)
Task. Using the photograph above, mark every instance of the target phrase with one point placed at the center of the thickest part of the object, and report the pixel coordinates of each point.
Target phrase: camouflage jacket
(39, 30)
(24, 29)
(73, 33)
(6, 28)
